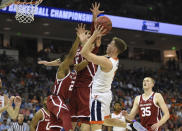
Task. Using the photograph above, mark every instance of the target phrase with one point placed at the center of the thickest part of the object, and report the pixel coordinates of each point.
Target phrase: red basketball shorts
(80, 102)
(59, 113)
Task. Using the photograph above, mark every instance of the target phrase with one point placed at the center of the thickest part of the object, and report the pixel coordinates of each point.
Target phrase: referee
(20, 125)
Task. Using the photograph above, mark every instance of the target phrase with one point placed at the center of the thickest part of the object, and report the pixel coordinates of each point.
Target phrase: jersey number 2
(47, 127)
(146, 111)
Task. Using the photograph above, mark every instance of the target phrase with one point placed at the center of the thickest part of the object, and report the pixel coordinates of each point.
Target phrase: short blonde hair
(153, 81)
(120, 44)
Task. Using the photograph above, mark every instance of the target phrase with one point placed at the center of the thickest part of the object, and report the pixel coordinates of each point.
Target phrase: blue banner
(117, 21)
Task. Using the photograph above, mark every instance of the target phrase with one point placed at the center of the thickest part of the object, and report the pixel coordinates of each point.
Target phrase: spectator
(34, 100)
(4, 126)
(168, 83)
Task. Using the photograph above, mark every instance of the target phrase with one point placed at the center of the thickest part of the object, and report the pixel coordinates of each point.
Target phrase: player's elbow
(167, 115)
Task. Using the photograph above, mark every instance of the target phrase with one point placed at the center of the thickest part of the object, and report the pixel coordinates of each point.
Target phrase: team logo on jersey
(151, 98)
(73, 75)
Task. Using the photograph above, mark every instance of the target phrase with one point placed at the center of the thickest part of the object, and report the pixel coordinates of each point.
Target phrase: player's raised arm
(13, 113)
(86, 51)
(160, 101)
(81, 66)
(37, 117)
(69, 58)
(56, 62)
(65, 65)
(17, 102)
(9, 102)
(95, 11)
(133, 112)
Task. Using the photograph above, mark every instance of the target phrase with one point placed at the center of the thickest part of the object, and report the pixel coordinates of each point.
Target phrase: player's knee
(85, 127)
(96, 127)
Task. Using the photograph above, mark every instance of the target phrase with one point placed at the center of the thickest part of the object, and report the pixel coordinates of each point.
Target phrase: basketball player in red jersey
(81, 91)
(62, 89)
(41, 119)
(149, 106)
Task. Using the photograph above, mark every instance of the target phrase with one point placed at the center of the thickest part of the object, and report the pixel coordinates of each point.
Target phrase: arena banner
(117, 21)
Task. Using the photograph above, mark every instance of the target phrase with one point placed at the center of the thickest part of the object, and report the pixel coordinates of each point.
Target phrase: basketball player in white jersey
(149, 106)
(117, 114)
(6, 104)
(107, 65)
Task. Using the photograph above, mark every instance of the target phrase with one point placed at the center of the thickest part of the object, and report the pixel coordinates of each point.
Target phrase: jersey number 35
(146, 111)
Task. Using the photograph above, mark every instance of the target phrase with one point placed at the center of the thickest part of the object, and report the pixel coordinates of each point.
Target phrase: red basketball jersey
(63, 87)
(43, 125)
(84, 77)
(149, 112)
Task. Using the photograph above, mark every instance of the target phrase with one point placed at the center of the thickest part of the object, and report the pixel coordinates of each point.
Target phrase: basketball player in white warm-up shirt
(1, 103)
(117, 114)
(107, 65)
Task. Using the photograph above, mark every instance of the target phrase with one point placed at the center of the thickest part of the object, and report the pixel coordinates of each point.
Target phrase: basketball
(106, 22)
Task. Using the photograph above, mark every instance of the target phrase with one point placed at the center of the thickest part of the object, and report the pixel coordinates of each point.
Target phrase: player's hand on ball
(17, 101)
(98, 41)
(99, 30)
(155, 126)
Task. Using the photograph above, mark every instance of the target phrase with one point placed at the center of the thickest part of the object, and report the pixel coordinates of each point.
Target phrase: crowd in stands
(32, 82)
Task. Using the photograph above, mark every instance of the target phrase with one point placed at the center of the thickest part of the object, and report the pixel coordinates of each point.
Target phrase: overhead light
(170, 55)
(46, 33)
(45, 24)
(6, 28)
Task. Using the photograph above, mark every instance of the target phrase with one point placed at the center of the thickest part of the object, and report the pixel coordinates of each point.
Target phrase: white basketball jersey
(1, 102)
(102, 80)
(120, 117)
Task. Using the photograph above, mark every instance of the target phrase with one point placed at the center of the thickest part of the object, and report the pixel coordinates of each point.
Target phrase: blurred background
(148, 54)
